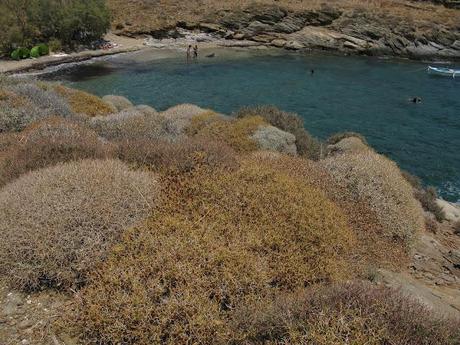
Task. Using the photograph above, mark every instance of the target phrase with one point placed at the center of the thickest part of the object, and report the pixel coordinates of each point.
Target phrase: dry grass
(377, 181)
(84, 103)
(222, 238)
(350, 313)
(57, 223)
(145, 16)
(46, 143)
(182, 156)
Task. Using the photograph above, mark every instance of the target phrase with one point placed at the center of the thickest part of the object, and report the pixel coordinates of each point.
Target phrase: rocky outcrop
(273, 139)
(354, 32)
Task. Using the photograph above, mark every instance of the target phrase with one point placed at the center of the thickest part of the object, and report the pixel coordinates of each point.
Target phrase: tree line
(60, 23)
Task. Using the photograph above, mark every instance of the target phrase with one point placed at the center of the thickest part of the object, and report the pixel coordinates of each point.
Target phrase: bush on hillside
(22, 103)
(347, 313)
(134, 124)
(234, 132)
(57, 223)
(335, 138)
(222, 239)
(182, 156)
(84, 103)
(377, 181)
(179, 117)
(35, 52)
(347, 145)
(118, 102)
(426, 196)
(307, 145)
(48, 142)
(374, 247)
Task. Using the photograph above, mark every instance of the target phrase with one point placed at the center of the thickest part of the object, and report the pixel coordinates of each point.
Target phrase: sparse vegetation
(307, 145)
(355, 313)
(426, 195)
(377, 181)
(335, 138)
(59, 222)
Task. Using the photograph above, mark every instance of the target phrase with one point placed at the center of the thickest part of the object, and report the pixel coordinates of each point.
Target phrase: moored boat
(448, 72)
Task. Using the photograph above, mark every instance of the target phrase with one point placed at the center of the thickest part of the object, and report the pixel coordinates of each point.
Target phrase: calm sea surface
(365, 95)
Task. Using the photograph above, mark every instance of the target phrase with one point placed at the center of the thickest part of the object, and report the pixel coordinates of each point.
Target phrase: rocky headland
(327, 28)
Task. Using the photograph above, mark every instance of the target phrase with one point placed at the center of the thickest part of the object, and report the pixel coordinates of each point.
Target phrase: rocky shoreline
(327, 29)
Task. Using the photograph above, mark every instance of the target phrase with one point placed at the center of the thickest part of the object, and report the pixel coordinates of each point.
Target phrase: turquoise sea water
(365, 95)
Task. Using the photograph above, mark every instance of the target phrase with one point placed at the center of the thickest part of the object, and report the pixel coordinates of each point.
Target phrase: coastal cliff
(404, 29)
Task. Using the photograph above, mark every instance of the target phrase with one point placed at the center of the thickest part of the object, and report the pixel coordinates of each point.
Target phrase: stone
(211, 27)
(456, 45)
(294, 45)
(280, 43)
(274, 139)
(452, 211)
(119, 102)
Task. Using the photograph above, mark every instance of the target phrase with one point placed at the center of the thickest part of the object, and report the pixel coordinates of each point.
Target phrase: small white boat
(447, 72)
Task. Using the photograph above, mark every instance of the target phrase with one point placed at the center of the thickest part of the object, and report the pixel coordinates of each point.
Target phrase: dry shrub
(48, 142)
(347, 313)
(185, 155)
(337, 137)
(373, 246)
(234, 132)
(378, 182)
(57, 223)
(347, 145)
(25, 102)
(456, 227)
(221, 239)
(84, 103)
(134, 124)
(307, 145)
(117, 102)
(427, 196)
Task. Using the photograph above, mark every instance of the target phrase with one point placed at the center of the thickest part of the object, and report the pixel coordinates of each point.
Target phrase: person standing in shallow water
(195, 51)
(189, 52)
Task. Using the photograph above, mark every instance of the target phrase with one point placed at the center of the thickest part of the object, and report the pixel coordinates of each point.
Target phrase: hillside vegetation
(188, 226)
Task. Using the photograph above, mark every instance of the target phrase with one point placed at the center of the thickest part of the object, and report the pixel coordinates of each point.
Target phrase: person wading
(195, 51)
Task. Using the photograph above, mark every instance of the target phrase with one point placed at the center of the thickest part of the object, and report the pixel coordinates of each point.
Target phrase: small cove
(366, 95)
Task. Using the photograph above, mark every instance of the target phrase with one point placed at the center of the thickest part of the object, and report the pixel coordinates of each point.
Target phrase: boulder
(274, 139)
(452, 211)
(118, 102)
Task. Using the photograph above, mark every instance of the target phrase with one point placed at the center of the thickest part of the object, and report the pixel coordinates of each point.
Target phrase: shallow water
(365, 95)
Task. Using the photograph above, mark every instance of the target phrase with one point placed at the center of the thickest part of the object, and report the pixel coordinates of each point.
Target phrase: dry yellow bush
(57, 223)
(84, 103)
(234, 132)
(378, 182)
(373, 246)
(222, 238)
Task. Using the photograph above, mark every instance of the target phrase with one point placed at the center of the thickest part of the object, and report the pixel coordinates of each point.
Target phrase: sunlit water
(365, 95)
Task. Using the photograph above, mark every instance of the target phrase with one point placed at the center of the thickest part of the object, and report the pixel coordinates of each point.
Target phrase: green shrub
(220, 240)
(347, 313)
(15, 54)
(35, 52)
(20, 53)
(44, 49)
(57, 223)
(307, 145)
